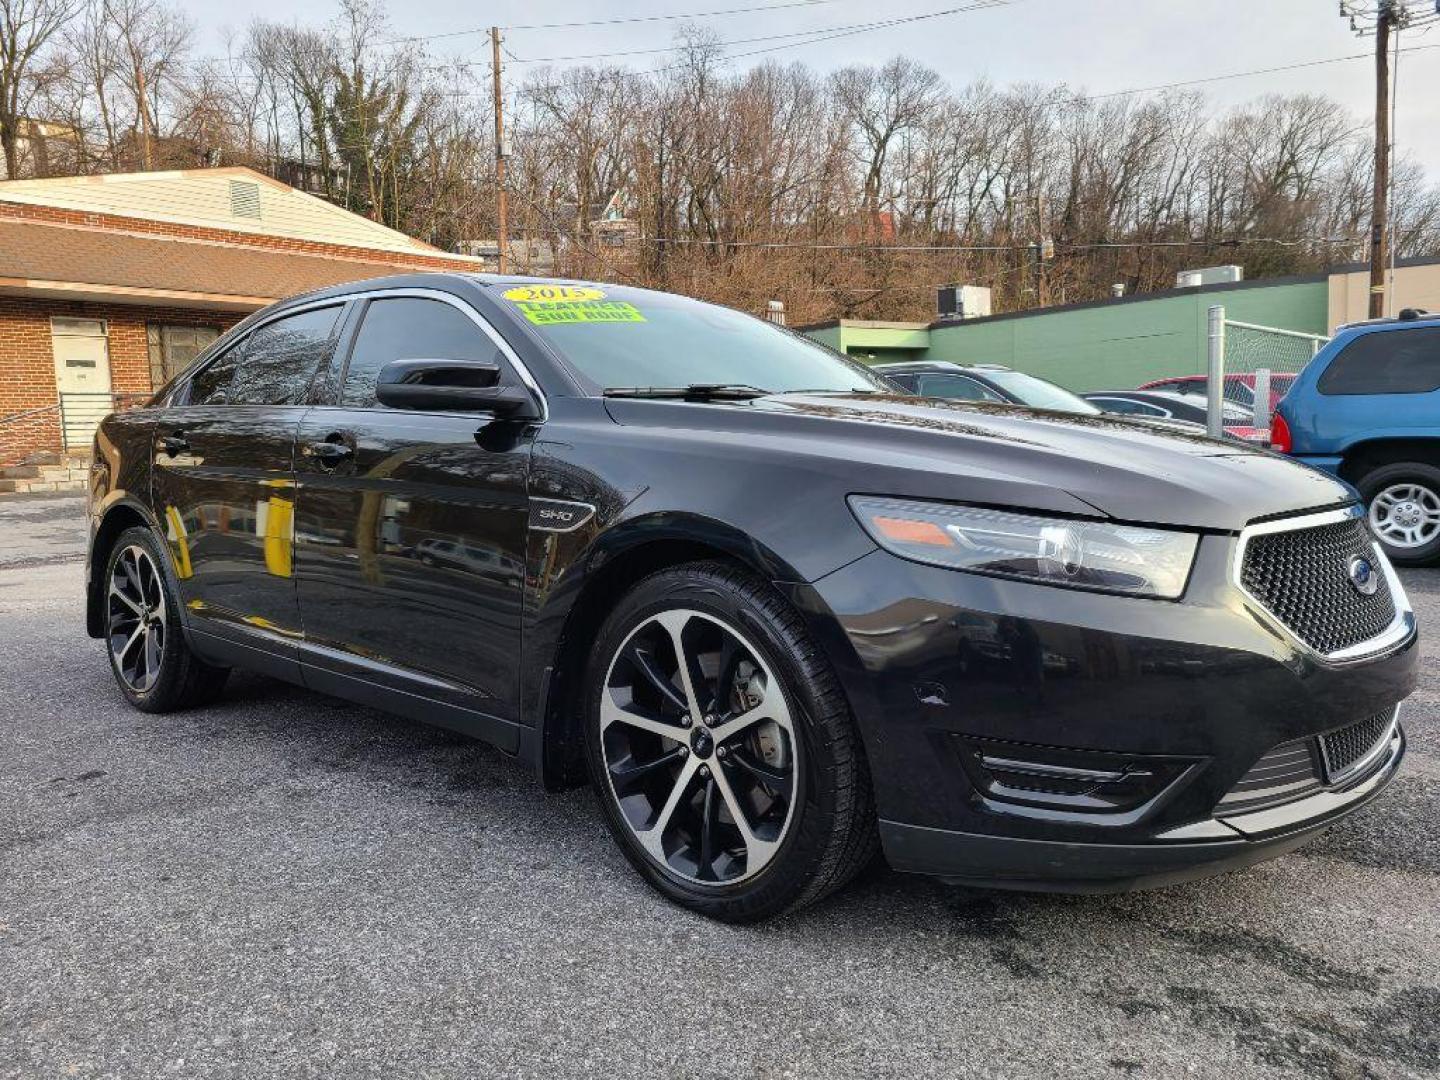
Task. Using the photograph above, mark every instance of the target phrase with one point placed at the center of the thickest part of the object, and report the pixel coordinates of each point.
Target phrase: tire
(149, 657)
(770, 734)
(1395, 495)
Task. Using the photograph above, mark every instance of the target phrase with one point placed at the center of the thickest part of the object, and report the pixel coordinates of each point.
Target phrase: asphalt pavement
(283, 885)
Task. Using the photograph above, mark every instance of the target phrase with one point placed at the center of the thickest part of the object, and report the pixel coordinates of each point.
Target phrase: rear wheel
(1404, 509)
(722, 748)
(152, 663)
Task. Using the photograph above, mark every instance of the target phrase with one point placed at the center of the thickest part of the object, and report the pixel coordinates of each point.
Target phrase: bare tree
(26, 27)
(851, 193)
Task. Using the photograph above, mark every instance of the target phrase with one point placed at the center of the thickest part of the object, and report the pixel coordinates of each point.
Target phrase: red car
(1239, 388)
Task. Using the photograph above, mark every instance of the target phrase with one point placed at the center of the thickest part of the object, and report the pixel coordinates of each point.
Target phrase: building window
(173, 347)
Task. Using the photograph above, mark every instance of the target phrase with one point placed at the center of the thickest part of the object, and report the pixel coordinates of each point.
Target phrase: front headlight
(1052, 551)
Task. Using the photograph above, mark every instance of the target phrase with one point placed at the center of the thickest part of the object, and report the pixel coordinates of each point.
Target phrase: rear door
(411, 528)
(223, 477)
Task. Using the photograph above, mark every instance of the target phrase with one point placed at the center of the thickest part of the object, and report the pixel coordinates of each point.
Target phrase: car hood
(1012, 456)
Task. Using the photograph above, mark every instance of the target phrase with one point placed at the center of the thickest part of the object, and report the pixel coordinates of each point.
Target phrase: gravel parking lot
(285, 885)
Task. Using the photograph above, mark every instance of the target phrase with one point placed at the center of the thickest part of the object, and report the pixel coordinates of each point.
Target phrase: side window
(282, 357)
(1386, 362)
(211, 385)
(956, 387)
(273, 365)
(1126, 407)
(408, 328)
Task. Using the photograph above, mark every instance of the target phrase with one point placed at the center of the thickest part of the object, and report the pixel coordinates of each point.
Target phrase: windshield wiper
(693, 392)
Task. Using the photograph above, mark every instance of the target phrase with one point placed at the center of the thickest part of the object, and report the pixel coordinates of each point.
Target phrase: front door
(411, 526)
(82, 377)
(223, 478)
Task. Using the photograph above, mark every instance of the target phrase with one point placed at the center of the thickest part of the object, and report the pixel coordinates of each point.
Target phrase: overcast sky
(1097, 45)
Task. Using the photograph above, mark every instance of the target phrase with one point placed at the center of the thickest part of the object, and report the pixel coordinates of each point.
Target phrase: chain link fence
(1252, 367)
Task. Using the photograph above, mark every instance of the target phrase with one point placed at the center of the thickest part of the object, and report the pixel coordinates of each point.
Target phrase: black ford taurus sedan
(778, 614)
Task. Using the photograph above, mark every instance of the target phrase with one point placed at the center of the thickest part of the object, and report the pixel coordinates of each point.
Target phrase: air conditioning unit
(1209, 275)
(963, 302)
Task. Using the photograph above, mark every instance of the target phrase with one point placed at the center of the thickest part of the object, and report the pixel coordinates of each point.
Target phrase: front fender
(111, 513)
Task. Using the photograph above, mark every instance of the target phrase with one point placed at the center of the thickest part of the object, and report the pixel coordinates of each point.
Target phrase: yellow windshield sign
(585, 311)
(551, 305)
(552, 294)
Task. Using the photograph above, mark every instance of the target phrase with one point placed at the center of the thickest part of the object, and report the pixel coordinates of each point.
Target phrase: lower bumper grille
(1349, 749)
(1295, 769)
(1289, 771)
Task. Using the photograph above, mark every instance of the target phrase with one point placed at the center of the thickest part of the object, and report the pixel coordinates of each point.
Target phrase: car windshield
(615, 337)
(1039, 394)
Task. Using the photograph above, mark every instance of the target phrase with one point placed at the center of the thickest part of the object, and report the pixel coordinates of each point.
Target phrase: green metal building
(1101, 345)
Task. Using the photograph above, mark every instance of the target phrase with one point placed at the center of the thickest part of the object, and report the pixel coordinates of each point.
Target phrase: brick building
(110, 284)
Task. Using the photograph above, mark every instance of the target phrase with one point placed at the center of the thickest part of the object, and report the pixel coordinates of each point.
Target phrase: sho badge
(557, 515)
(1363, 575)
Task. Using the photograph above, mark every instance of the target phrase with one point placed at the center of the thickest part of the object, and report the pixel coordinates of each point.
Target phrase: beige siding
(202, 197)
(1415, 286)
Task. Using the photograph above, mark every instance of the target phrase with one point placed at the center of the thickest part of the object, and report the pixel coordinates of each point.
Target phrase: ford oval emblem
(1363, 575)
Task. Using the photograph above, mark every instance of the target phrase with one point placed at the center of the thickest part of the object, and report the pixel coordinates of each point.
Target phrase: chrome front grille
(1303, 577)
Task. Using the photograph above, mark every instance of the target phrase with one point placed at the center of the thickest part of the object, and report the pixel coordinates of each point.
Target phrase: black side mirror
(451, 386)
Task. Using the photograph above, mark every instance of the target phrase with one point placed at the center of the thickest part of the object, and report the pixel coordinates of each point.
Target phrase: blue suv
(1367, 409)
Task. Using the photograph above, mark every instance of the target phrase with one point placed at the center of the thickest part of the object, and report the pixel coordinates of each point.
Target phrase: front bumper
(944, 669)
(1060, 866)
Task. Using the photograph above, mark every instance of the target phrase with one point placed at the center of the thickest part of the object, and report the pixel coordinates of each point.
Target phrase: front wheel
(722, 748)
(1404, 508)
(152, 663)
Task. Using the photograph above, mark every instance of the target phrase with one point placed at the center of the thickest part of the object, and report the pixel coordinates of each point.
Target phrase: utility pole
(1384, 19)
(500, 200)
(1390, 16)
(1044, 251)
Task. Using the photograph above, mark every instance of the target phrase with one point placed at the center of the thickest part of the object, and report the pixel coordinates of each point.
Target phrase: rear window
(1386, 362)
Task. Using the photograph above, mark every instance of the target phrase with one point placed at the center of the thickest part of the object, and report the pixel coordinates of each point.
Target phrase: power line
(618, 21)
(978, 249)
(1244, 74)
(823, 33)
(531, 89)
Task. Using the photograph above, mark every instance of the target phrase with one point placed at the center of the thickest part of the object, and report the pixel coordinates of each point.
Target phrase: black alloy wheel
(699, 749)
(135, 614)
(726, 760)
(152, 662)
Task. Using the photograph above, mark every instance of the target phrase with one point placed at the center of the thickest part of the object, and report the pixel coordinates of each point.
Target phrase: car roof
(1245, 376)
(1147, 395)
(906, 367)
(1407, 317)
(441, 279)
(936, 367)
